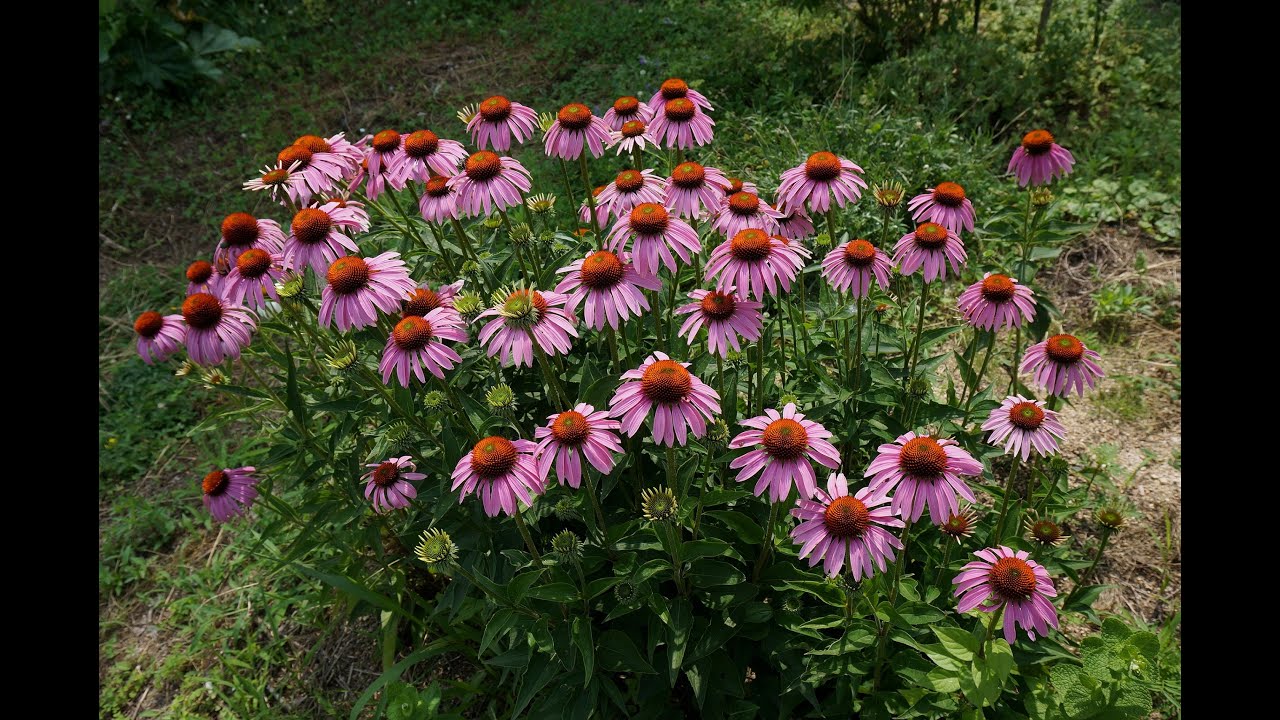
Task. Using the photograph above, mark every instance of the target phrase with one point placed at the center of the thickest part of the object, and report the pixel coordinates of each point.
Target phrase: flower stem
(1004, 506)
(591, 201)
(552, 380)
(971, 393)
(528, 539)
(1106, 535)
(568, 189)
(766, 547)
(915, 345)
(595, 503)
(991, 630)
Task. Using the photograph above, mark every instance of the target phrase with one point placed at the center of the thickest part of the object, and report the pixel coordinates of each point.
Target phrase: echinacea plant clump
(675, 442)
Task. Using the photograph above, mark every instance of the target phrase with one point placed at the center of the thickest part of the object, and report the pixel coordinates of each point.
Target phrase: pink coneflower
(680, 401)
(528, 315)
(426, 154)
(574, 128)
(229, 492)
(799, 255)
(387, 484)
(277, 179)
(945, 205)
(438, 202)
(744, 210)
(382, 157)
(315, 239)
(321, 172)
(850, 266)
(1002, 578)
(334, 149)
(1023, 424)
(997, 300)
(931, 246)
(680, 123)
(202, 278)
(695, 189)
(216, 328)
(602, 211)
(490, 181)
(608, 286)
(253, 279)
(500, 471)
(580, 431)
(633, 135)
(158, 335)
(417, 342)
(342, 200)
(840, 526)
(656, 234)
(241, 231)
(734, 185)
(725, 315)
(498, 121)
(1062, 362)
(626, 109)
(357, 287)
(673, 89)
(1039, 159)
(755, 262)
(788, 443)
(795, 223)
(629, 189)
(821, 178)
(924, 470)
(422, 299)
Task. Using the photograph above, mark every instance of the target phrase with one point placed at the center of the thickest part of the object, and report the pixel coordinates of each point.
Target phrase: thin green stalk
(977, 382)
(595, 503)
(991, 629)
(568, 190)
(673, 481)
(528, 539)
(915, 345)
(591, 202)
(766, 547)
(552, 380)
(504, 602)
(1004, 506)
(720, 382)
(448, 263)
(1106, 535)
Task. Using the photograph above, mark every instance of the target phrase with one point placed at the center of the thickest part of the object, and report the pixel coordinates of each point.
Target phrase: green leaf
(916, 613)
(982, 684)
(678, 626)
(695, 549)
(595, 587)
(532, 685)
(616, 652)
(500, 623)
(355, 590)
(829, 594)
(959, 643)
(753, 612)
(710, 573)
(743, 526)
(582, 639)
(720, 497)
(435, 648)
(514, 658)
(519, 584)
(556, 592)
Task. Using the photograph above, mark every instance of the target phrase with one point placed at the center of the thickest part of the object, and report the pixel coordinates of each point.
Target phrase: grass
(192, 622)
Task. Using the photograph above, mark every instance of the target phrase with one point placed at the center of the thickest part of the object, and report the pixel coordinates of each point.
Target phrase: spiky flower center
(239, 229)
(931, 236)
(201, 311)
(438, 186)
(1037, 142)
(314, 143)
(421, 143)
(718, 305)
(570, 428)
(149, 324)
(348, 274)
(1026, 415)
(386, 474)
(386, 141)
(574, 116)
(629, 181)
(997, 288)
(199, 271)
(679, 110)
(673, 88)
(956, 525)
(750, 245)
(633, 128)
(822, 167)
(1064, 349)
(734, 186)
(744, 203)
(859, 253)
(422, 301)
(949, 194)
(626, 106)
(785, 439)
(275, 177)
(524, 307)
(493, 457)
(649, 219)
(253, 263)
(1012, 579)
(311, 225)
(666, 382)
(483, 165)
(412, 333)
(215, 483)
(602, 270)
(923, 457)
(689, 176)
(495, 109)
(294, 154)
(1110, 517)
(846, 517)
(1046, 531)
(658, 504)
